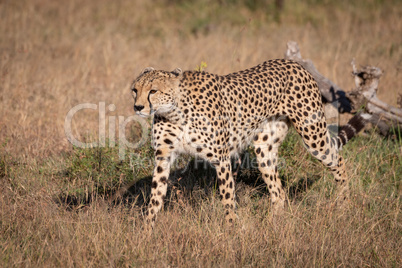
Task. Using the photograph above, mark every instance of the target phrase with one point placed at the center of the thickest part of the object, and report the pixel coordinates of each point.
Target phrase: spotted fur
(214, 117)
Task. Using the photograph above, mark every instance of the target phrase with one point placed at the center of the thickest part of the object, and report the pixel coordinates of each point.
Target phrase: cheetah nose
(138, 108)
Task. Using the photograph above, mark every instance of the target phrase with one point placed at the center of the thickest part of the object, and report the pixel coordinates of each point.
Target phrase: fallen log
(384, 116)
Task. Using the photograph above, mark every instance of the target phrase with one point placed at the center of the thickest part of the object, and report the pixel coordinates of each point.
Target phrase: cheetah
(214, 117)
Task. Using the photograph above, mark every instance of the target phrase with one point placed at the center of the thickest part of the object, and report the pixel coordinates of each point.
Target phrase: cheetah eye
(134, 90)
(153, 91)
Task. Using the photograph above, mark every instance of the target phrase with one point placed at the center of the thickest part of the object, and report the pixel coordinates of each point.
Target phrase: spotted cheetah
(216, 116)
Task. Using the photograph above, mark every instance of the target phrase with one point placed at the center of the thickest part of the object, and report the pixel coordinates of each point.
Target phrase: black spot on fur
(163, 180)
(159, 169)
(167, 141)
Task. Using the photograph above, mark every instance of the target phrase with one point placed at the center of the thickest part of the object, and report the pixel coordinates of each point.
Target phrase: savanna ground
(65, 206)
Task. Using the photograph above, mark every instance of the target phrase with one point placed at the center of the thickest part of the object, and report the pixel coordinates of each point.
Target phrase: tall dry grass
(58, 54)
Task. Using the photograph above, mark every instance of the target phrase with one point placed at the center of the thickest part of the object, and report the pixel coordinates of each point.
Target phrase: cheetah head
(154, 91)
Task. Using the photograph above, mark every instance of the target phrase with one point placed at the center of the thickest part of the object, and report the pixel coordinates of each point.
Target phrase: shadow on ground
(194, 181)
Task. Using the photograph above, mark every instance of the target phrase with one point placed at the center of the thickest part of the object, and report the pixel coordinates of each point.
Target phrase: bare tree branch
(365, 94)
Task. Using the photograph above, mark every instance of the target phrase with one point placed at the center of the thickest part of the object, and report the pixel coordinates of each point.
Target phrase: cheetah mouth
(141, 114)
(163, 110)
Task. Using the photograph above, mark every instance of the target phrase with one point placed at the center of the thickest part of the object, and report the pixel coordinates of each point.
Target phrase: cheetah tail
(354, 126)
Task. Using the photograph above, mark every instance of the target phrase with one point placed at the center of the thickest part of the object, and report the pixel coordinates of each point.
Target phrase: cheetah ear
(177, 71)
(147, 70)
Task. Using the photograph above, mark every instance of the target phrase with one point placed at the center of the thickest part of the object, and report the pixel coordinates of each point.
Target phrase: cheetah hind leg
(266, 145)
(325, 149)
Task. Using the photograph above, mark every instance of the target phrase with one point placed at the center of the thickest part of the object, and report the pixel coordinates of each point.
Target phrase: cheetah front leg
(226, 185)
(266, 145)
(163, 157)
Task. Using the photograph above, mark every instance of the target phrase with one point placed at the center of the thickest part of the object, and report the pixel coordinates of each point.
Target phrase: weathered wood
(365, 95)
(366, 81)
(380, 124)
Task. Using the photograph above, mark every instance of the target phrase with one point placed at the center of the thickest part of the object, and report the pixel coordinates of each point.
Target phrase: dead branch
(399, 101)
(365, 94)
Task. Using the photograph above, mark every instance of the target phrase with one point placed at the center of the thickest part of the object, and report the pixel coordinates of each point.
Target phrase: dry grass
(57, 54)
